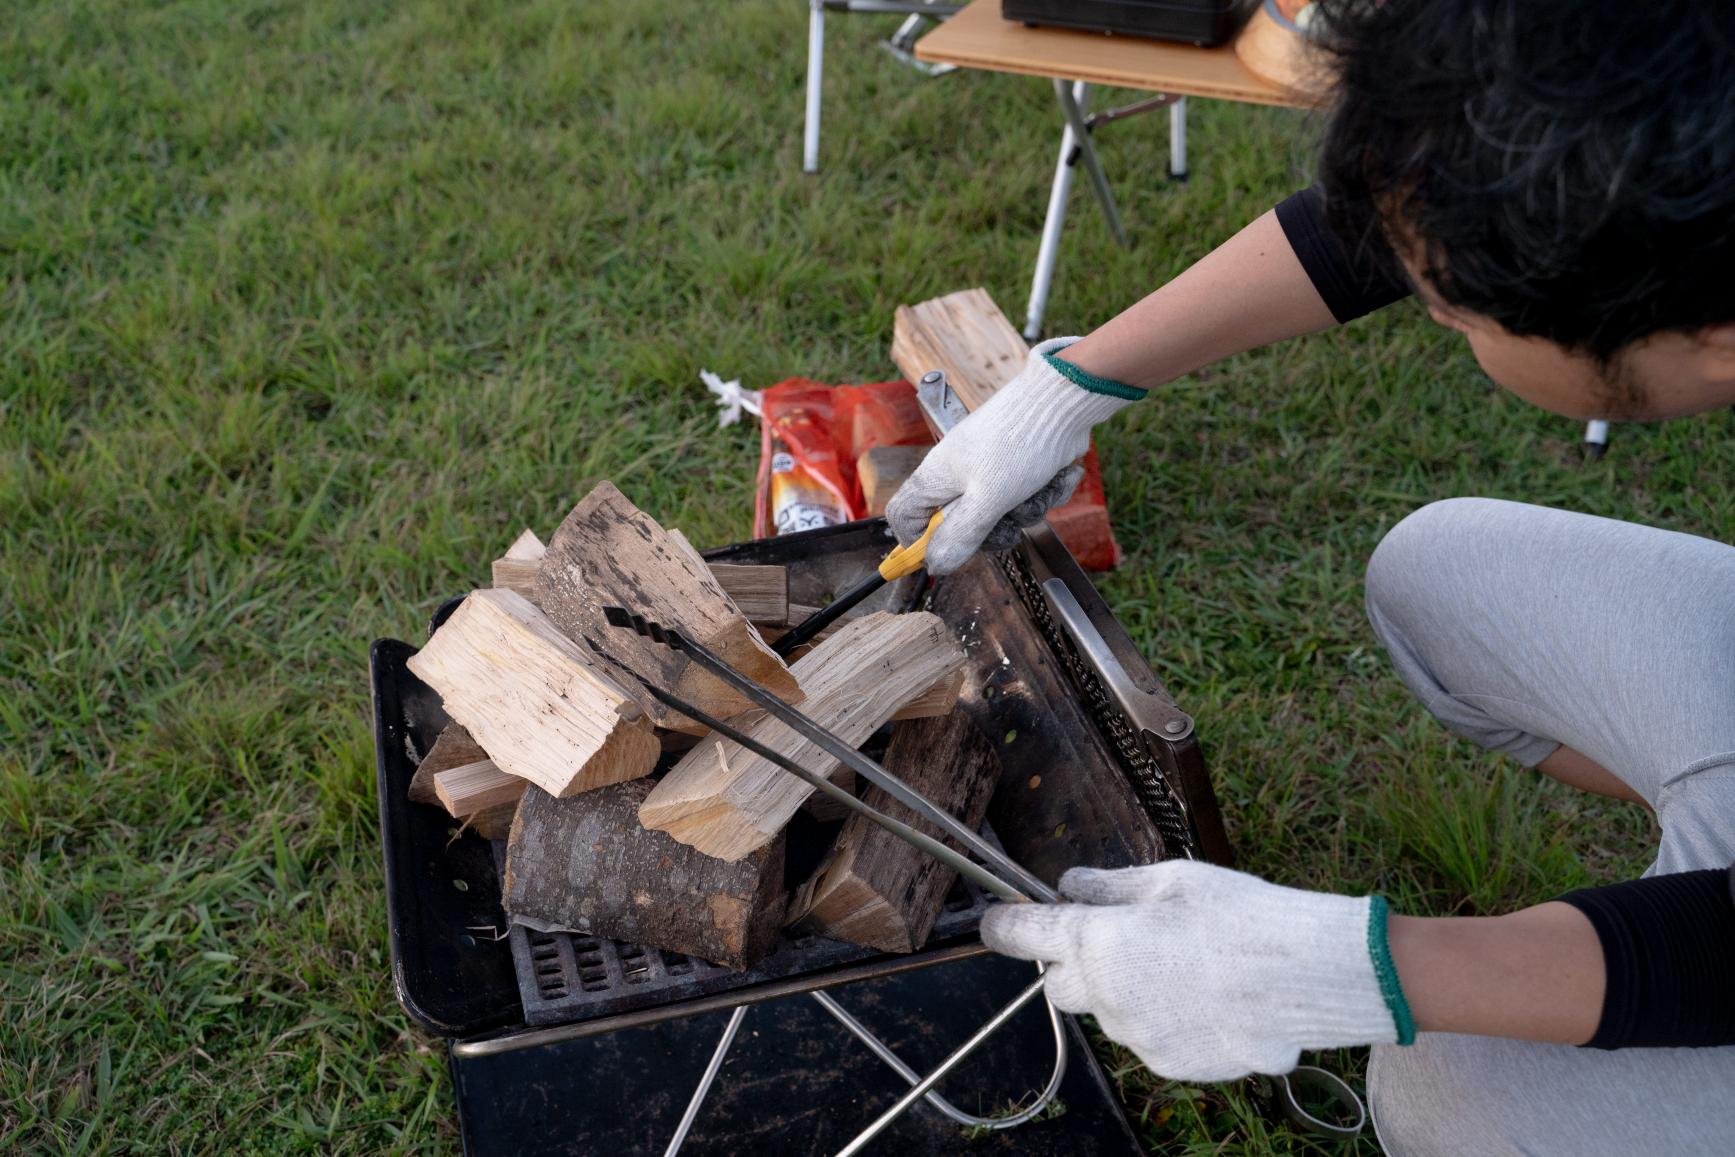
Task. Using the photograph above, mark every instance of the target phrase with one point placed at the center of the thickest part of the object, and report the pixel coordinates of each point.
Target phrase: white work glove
(1210, 974)
(1009, 463)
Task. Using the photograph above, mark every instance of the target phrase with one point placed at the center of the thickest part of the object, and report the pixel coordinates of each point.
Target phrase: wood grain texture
(728, 802)
(609, 553)
(516, 569)
(586, 864)
(882, 470)
(760, 592)
(540, 705)
(978, 37)
(874, 888)
(453, 748)
(964, 334)
(476, 787)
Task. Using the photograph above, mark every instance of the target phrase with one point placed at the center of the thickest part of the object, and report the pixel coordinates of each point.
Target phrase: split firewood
(493, 823)
(874, 888)
(759, 591)
(516, 569)
(585, 864)
(453, 748)
(964, 334)
(608, 553)
(476, 787)
(882, 470)
(541, 705)
(731, 802)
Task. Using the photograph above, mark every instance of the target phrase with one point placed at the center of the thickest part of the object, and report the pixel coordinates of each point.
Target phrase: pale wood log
(964, 334)
(516, 569)
(586, 864)
(453, 748)
(937, 700)
(476, 787)
(882, 470)
(541, 705)
(609, 553)
(730, 803)
(874, 888)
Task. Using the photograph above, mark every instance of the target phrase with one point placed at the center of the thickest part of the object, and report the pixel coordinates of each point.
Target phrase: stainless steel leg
(815, 77)
(1069, 108)
(706, 1081)
(920, 1088)
(1053, 224)
(1178, 140)
(969, 1120)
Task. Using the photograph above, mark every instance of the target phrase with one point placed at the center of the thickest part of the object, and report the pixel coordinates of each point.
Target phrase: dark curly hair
(1566, 170)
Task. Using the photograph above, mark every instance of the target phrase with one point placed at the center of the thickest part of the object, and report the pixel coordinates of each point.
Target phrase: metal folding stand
(900, 45)
(921, 1087)
(1076, 145)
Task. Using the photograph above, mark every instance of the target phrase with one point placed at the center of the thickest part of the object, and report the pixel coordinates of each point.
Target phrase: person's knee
(1404, 571)
(1427, 1099)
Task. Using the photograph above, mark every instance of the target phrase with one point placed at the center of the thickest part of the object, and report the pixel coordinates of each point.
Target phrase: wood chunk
(875, 889)
(453, 748)
(516, 569)
(609, 553)
(493, 823)
(729, 805)
(882, 470)
(526, 547)
(964, 334)
(935, 701)
(476, 787)
(586, 864)
(761, 592)
(541, 705)
(825, 808)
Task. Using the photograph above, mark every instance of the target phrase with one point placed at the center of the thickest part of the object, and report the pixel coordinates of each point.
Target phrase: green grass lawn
(308, 307)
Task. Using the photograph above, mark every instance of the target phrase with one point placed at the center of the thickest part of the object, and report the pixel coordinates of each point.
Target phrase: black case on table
(1202, 22)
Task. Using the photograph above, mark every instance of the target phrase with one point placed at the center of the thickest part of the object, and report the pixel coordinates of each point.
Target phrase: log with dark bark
(877, 890)
(585, 864)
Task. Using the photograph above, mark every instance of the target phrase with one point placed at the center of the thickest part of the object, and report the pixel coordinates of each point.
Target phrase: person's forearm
(1534, 975)
(1248, 292)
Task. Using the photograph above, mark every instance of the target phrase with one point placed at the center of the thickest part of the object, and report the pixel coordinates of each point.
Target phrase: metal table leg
(1053, 223)
(1074, 114)
(1178, 140)
(815, 79)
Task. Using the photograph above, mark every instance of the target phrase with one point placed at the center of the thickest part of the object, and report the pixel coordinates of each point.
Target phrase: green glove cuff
(1091, 382)
(1379, 912)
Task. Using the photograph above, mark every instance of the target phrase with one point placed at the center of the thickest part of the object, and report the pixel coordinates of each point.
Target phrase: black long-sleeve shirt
(1668, 942)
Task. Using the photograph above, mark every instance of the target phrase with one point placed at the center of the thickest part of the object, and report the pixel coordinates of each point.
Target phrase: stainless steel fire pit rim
(496, 1045)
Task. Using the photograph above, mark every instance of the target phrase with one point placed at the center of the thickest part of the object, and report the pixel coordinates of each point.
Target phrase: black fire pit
(1099, 768)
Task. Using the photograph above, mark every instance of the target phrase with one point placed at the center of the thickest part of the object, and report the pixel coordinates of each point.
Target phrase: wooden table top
(978, 37)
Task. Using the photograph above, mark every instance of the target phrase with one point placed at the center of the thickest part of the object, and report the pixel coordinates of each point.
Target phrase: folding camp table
(979, 37)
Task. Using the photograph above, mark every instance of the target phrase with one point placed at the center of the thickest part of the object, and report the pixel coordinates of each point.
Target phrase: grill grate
(566, 976)
(1155, 794)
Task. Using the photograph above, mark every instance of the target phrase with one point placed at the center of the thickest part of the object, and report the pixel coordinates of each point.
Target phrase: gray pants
(1523, 628)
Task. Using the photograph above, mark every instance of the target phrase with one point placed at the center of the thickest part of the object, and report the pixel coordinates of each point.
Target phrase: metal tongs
(998, 873)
